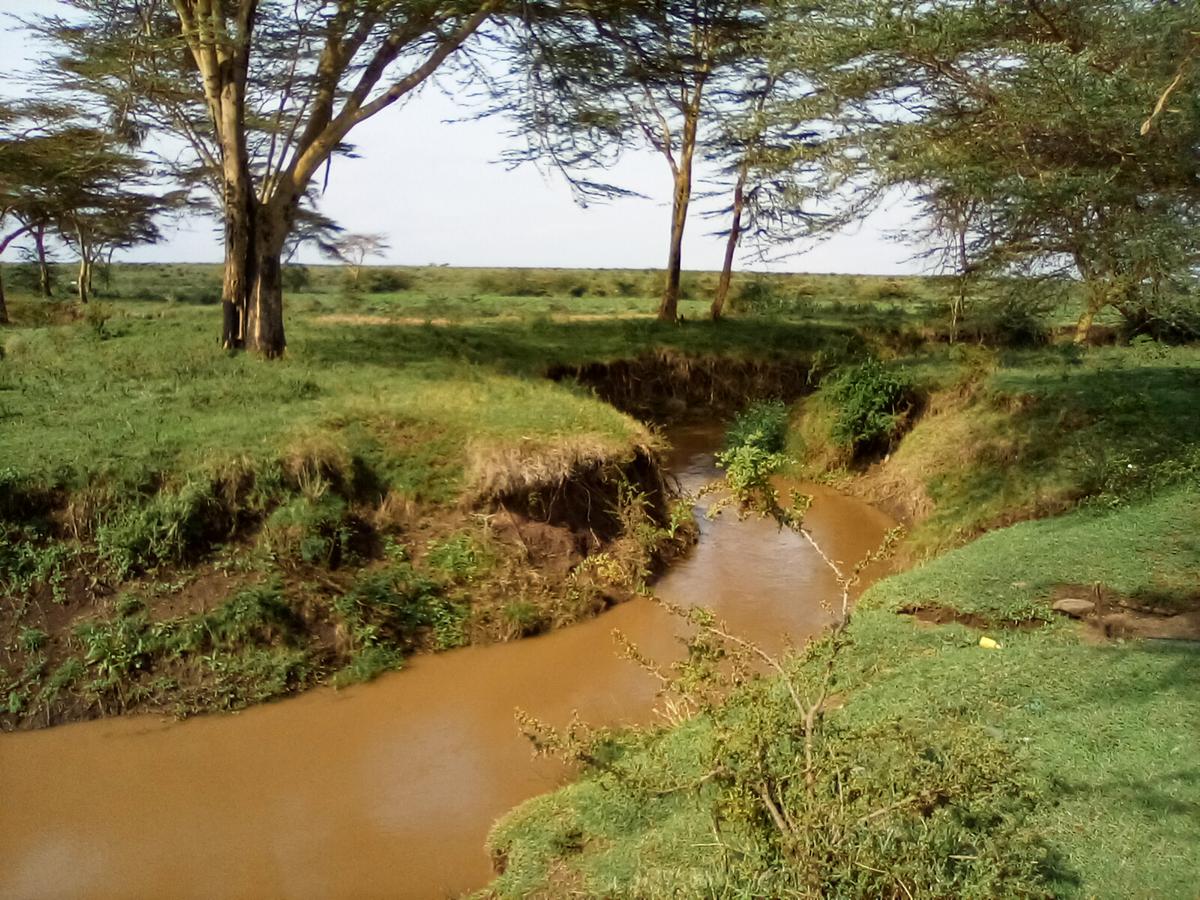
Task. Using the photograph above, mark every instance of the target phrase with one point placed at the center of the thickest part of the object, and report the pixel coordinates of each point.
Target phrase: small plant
(367, 664)
(523, 618)
(753, 448)
(31, 639)
(459, 558)
(314, 527)
(386, 281)
(97, 316)
(169, 527)
(763, 424)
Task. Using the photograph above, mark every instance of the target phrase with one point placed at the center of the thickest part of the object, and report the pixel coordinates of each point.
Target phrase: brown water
(386, 789)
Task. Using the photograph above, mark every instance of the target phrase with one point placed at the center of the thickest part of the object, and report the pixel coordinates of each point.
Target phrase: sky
(436, 188)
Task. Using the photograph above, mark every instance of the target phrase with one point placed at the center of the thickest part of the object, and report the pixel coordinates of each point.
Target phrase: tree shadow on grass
(532, 347)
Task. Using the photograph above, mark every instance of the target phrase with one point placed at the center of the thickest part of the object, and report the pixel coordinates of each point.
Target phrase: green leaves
(872, 403)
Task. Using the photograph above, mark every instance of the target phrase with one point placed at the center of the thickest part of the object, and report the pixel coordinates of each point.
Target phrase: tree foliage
(1017, 128)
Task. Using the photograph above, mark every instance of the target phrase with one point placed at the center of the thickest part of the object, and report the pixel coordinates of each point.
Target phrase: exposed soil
(668, 386)
(1112, 616)
(1116, 617)
(944, 615)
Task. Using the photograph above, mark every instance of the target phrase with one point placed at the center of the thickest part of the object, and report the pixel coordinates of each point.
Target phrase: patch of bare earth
(944, 615)
(1108, 616)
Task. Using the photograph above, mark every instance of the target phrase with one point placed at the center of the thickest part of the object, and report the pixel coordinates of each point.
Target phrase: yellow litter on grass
(988, 644)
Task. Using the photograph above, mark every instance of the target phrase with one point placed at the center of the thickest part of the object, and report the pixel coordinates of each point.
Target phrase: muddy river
(386, 789)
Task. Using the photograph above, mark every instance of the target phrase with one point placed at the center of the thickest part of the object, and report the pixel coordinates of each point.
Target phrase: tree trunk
(39, 242)
(240, 260)
(735, 234)
(4, 320)
(1098, 298)
(668, 309)
(264, 322)
(82, 283)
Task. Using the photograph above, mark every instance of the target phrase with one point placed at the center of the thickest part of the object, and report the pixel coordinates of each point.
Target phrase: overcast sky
(436, 189)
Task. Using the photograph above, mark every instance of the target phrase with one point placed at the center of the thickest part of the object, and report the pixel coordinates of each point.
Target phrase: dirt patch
(666, 386)
(944, 615)
(1112, 616)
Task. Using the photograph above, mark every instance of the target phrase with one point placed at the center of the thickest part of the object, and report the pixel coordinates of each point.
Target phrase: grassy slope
(1020, 434)
(1104, 730)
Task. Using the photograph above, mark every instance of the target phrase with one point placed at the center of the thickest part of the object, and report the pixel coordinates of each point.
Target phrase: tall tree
(1017, 124)
(263, 93)
(596, 78)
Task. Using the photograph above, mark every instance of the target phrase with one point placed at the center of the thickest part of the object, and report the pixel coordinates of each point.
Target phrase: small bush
(509, 283)
(296, 278)
(1171, 319)
(316, 530)
(459, 558)
(763, 424)
(170, 527)
(523, 618)
(873, 403)
(753, 448)
(386, 281)
(756, 295)
(1011, 319)
(367, 664)
(392, 607)
(889, 289)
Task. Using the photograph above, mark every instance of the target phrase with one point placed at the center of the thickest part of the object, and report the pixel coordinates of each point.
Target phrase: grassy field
(186, 530)
(150, 481)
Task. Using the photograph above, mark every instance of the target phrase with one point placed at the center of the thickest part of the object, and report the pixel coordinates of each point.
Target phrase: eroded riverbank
(388, 788)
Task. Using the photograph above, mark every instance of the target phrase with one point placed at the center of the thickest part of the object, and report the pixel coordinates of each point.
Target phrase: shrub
(367, 664)
(756, 295)
(318, 530)
(523, 618)
(1172, 319)
(170, 527)
(872, 404)
(764, 424)
(391, 607)
(386, 281)
(1011, 319)
(459, 557)
(889, 289)
(296, 277)
(753, 447)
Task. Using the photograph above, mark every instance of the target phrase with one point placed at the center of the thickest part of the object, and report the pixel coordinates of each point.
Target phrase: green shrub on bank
(315, 530)
(396, 607)
(872, 404)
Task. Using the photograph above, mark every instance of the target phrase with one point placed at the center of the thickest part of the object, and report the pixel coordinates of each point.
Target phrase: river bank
(982, 743)
(387, 788)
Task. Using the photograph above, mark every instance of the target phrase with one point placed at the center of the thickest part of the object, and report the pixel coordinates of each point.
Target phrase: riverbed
(389, 788)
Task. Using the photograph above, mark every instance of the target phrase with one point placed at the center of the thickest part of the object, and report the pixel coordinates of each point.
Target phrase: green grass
(1016, 434)
(329, 496)
(1102, 733)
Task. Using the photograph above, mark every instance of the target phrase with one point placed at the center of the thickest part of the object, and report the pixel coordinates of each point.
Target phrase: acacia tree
(263, 93)
(97, 225)
(34, 162)
(596, 78)
(1018, 125)
(353, 250)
